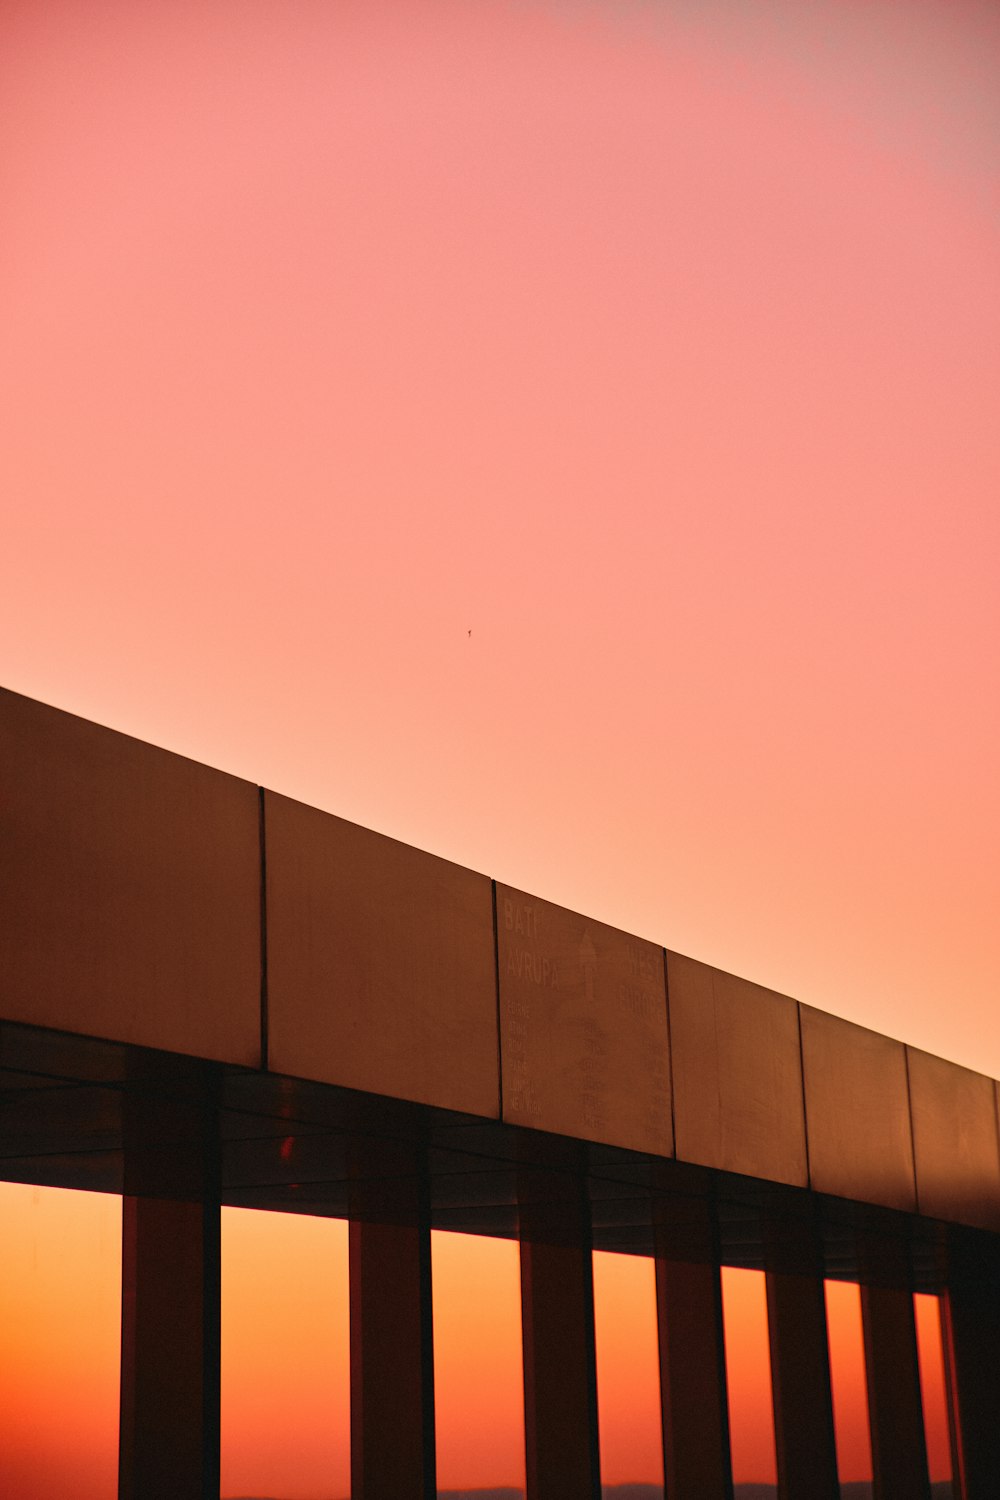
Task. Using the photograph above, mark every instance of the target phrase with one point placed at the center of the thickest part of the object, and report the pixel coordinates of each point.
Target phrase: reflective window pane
(60, 1335)
(933, 1389)
(478, 1378)
(748, 1372)
(847, 1374)
(628, 1372)
(285, 1356)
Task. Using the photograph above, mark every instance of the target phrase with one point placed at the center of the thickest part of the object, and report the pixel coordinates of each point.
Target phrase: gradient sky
(655, 344)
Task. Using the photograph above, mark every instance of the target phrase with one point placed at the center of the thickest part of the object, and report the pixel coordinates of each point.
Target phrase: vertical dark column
(562, 1460)
(392, 1351)
(971, 1318)
(800, 1364)
(694, 1405)
(895, 1410)
(169, 1416)
(169, 1435)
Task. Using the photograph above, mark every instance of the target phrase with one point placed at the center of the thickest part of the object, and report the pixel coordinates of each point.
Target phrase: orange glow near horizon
(285, 1421)
(628, 1373)
(285, 1358)
(933, 1385)
(748, 1372)
(847, 1376)
(478, 1400)
(60, 1336)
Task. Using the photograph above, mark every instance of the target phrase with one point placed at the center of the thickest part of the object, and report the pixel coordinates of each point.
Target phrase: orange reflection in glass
(933, 1388)
(478, 1378)
(628, 1372)
(285, 1356)
(60, 1332)
(847, 1376)
(748, 1371)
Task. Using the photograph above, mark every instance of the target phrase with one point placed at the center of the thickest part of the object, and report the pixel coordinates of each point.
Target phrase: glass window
(285, 1356)
(628, 1370)
(847, 1376)
(933, 1388)
(748, 1373)
(478, 1376)
(60, 1330)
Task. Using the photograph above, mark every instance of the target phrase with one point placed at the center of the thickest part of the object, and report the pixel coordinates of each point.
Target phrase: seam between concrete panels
(913, 1134)
(262, 834)
(670, 1055)
(802, 1086)
(496, 986)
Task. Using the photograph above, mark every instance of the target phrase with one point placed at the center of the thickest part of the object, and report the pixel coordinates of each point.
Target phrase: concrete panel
(857, 1112)
(129, 889)
(381, 968)
(954, 1141)
(583, 1027)
(737, 1074)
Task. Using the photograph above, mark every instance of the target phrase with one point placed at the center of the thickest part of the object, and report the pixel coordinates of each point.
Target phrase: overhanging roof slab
(583, 1026)
(955, 1143)
(737, 1074)
(380, 962)
(857, 1112)
(129, 889)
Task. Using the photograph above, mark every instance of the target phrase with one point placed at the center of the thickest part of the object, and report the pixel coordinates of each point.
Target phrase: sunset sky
(561, 434)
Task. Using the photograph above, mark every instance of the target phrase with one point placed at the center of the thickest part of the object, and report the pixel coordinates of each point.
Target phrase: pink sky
(657, 345)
